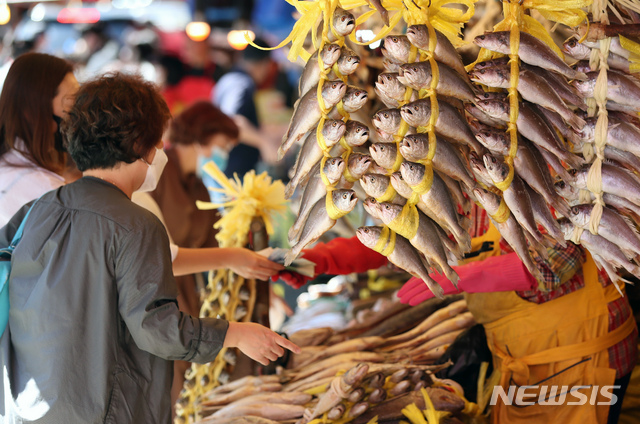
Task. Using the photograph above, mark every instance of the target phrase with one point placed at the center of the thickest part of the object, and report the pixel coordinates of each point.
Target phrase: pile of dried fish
(373, 368)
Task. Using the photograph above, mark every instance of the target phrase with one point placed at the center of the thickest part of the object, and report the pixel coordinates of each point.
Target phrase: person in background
(235, 94)
(189, 77)
(38, 90)
(93, 329)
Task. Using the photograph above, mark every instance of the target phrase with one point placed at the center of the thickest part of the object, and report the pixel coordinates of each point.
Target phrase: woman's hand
(257, 342)
(249, 264)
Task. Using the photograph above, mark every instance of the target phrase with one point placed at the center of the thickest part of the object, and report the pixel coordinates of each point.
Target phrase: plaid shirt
(563, 275)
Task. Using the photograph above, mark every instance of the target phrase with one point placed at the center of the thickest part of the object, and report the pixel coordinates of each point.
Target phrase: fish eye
(482, 71)
(574, 210)
(343, 18)
(415, 108)
(561, 184)
(334, 85)
(572, 43)
(481, 37)
(358, 130)
(335, 124)
(386, 115)
(394, 39)
(387, 207)
(382, 148)
(415, 69)
(344, 196)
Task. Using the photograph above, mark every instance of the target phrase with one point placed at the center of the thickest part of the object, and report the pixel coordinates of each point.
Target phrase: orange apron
(562, 342)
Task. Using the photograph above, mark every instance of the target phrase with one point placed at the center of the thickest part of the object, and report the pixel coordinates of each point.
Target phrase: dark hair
(26, 108)
(199, 122)
(115, 118)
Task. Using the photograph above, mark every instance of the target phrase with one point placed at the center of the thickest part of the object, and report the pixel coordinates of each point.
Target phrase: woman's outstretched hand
(257, 342)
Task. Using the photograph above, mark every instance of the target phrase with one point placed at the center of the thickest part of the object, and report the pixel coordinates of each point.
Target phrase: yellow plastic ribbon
(425, 184)
(406, 224)
(386, 243)
(502, 214)
(633, 48)
(388, 195)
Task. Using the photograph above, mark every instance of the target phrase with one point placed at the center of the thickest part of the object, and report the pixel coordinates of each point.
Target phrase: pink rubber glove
(494, 274)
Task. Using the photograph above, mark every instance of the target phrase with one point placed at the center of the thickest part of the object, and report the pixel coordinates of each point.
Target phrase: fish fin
(289, 190)
(435, 288)
(580, 76)
(575, 121)
(631, 225)
(464, 221)
(574, 161)
(281, 153)
(561, 206)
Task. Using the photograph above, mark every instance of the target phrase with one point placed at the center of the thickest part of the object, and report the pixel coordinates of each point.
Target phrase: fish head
(343, 22)
(416, 113)
(356, 134)
(582, 66)
(491, 63)
(576, 50)
(333, 129)
(496, 76)
(497, 170)
(494, 41)
(414, 73)
(384, 153)
(333, 91)
(384, 137)
(412, 172)
(566, 227)
(495, 108)
(579, 215)
(375, 185)
(566, 190)
(330, 54)
(368, 235)
(354, 99)
(398, 46)
(388, 83)
(418, 35)
(345, 200)
(389, 211)
(491, 95)
(588, 131)
(372, 207)
(400, 185)
(489, 201)
(586, 87)
(348, 61)
(387, 120)
(355, 374)
(494, 140)
(477, 126)
(415, 145)
(389, 64)
(333, 169)
(359, 164)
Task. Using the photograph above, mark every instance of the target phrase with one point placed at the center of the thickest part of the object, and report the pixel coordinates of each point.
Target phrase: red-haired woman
(35, 97)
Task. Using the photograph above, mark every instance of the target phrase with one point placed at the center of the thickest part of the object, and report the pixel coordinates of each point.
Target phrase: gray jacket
(94, 323)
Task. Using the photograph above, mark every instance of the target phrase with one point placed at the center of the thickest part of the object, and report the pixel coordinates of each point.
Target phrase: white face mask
(154, 171)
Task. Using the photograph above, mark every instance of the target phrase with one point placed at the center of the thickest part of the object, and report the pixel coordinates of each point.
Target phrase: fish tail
(435, 288)
(573, 160)
(294, 232)
(452, 276)
(575, 121)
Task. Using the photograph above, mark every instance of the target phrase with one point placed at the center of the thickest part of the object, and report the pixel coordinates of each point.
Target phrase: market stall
(425, 140)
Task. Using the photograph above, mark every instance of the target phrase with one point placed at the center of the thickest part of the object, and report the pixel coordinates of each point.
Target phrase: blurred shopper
(35, 98)
(93, 329)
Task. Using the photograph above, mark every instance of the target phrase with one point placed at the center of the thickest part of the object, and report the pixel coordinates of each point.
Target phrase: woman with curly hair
(94, 324)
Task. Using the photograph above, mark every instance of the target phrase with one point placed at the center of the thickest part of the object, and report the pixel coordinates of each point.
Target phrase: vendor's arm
(243, 262)
(337, 257)
(496, 273)
(147, 304)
